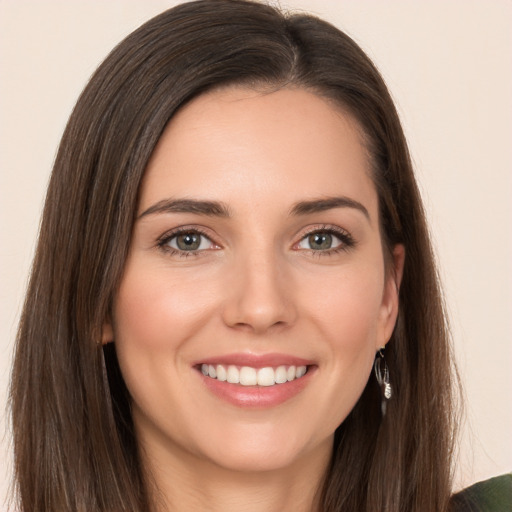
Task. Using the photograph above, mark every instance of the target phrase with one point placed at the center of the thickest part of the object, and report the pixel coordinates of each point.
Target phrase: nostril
(258, 296)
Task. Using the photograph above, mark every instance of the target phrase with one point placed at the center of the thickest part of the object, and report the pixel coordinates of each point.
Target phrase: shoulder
(494, 495)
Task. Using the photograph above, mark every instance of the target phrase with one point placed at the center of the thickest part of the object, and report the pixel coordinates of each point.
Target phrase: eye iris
(319, 241)
(188, 241)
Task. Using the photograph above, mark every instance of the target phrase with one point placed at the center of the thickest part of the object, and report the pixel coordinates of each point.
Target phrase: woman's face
(256, 256)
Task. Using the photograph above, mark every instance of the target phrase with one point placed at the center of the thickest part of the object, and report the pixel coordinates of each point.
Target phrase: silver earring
(382, 374)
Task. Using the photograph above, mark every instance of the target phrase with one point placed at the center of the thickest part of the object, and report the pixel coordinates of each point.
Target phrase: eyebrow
(328, 203)
(210, 208)
(219, 209)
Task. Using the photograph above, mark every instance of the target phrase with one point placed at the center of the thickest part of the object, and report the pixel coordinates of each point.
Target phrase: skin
(255, 286)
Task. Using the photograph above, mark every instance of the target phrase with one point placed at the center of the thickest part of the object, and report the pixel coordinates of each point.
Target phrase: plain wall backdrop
(448, 66)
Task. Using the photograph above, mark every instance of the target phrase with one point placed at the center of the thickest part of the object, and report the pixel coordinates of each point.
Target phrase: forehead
(239, 142)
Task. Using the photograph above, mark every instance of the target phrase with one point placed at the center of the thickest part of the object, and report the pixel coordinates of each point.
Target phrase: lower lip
(257, 396)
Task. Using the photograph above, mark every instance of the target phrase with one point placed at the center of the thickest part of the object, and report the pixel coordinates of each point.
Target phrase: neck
(186, 482)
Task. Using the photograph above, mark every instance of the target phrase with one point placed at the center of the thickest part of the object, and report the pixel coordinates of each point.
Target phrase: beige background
(448, 65)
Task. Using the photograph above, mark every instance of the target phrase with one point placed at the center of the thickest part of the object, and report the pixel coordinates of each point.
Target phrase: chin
(265, 452)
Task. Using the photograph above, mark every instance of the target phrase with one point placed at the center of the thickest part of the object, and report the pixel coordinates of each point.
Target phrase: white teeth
(233, 375)
(221, 373)
(248, 376)
(266, 377)
(281, 375)
(301, 371)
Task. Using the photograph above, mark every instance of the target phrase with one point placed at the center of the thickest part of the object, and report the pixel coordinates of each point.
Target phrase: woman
(232, 235)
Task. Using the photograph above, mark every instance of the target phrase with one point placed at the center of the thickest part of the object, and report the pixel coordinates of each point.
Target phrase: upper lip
(256, 360)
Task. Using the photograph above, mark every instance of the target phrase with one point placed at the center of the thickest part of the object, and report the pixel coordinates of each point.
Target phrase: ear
(390, 297)
(107, 332)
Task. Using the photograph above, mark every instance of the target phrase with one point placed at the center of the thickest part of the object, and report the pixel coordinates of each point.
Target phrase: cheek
(153, 308)
(346, 315)
(155, 317)
(348, 304)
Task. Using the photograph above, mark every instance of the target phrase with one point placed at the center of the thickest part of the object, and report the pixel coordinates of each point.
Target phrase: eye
(320, 241)
(186, 241)
(326, 240)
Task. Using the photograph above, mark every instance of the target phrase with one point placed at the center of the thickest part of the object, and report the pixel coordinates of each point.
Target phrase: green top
(494, 495)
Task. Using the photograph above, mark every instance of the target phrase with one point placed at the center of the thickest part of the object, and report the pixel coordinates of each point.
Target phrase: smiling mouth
(249, 376)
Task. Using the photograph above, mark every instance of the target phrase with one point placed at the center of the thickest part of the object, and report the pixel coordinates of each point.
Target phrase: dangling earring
(382, 374)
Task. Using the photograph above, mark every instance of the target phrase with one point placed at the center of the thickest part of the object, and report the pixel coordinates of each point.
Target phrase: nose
(261, 295)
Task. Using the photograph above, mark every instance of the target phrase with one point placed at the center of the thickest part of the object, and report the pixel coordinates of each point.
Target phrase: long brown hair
(74, 444)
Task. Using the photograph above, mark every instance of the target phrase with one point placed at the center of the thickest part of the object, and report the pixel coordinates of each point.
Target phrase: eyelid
(346, 239)
(163, 240)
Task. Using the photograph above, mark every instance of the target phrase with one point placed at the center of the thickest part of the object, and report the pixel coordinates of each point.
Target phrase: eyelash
(163, 241)
(346, 239)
